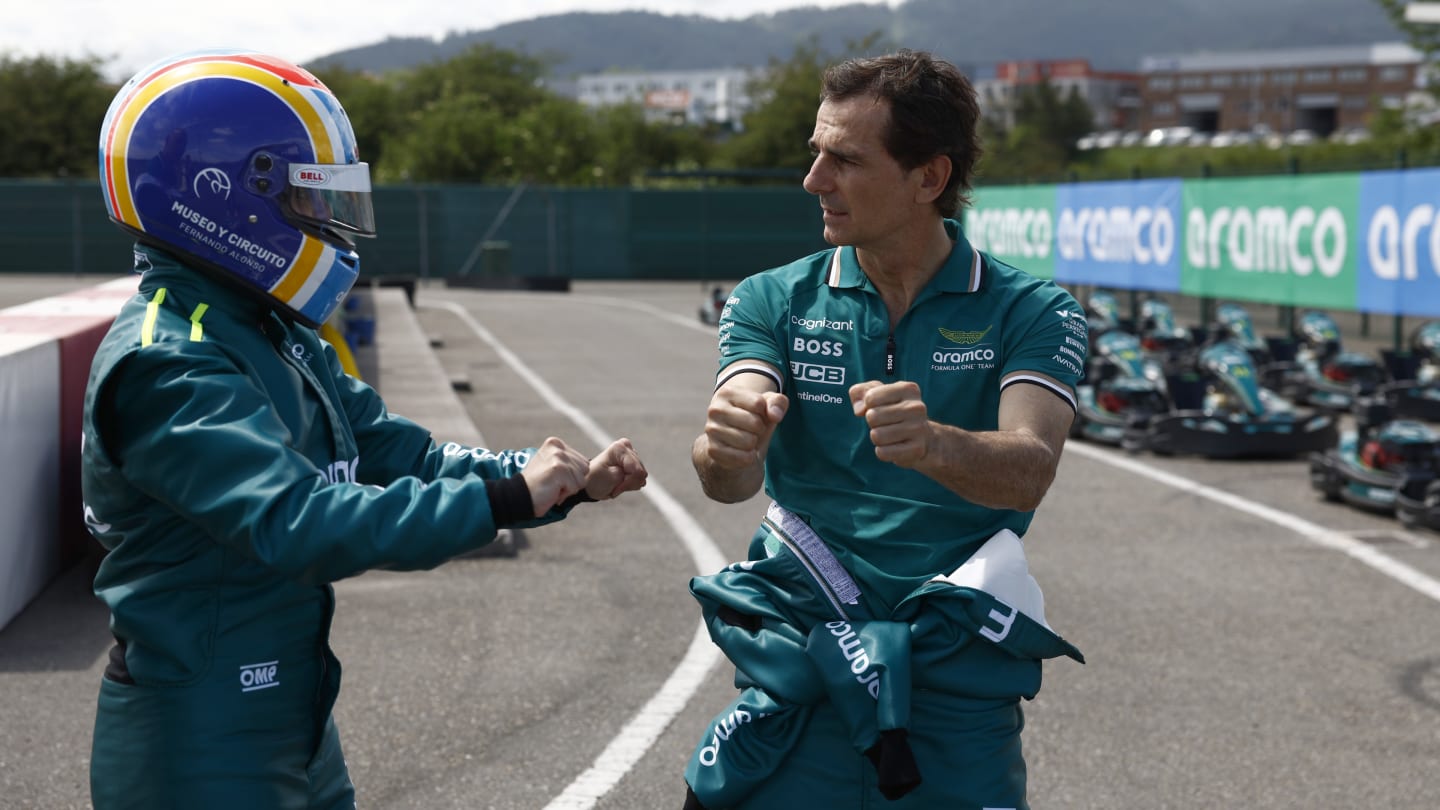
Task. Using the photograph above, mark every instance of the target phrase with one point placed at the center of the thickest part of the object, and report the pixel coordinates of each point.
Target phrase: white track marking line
(641, 732)
(1315, 533)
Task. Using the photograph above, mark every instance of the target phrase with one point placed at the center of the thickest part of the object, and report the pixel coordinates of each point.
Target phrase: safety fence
(444, 232)
(1357, 241)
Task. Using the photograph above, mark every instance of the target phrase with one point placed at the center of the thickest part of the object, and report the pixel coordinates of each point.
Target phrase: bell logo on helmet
(211, 183)
(311, 177)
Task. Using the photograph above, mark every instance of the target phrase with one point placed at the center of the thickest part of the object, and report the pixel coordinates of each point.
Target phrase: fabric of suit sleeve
(394, 446)
(206, 442)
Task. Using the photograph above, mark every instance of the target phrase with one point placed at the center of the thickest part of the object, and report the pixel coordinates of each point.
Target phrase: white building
(719, 96)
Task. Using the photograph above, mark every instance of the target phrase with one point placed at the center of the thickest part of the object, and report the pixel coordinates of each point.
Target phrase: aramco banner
(1358, 241)
(1015, 224)
(1279, 240)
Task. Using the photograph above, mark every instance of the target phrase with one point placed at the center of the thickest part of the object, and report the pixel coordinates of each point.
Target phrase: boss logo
(826, 348)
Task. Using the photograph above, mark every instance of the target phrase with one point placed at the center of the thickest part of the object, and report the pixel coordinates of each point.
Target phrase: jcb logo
(812, 372)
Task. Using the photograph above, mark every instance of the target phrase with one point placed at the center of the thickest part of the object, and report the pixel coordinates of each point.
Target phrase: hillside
(1112, 34)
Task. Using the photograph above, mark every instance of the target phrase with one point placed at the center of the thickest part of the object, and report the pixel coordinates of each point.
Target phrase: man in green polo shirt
(903, 399)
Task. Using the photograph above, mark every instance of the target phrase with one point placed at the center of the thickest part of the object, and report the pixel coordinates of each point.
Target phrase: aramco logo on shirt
(974, 356)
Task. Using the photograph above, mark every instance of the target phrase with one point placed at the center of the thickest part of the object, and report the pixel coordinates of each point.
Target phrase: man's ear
(934, 176)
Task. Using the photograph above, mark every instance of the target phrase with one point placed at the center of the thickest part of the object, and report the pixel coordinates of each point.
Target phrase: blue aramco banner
(1122, 234)
(1399, 258)
(1366, 241)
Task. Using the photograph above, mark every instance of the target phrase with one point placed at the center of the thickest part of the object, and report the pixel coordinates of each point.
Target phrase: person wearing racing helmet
(232, 469)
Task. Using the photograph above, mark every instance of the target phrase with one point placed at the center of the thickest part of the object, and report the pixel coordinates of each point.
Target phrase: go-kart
(1102, 314)
(1415, 392)
(713, 305)
(1121, 391)
(1233, 322)
(1385, 465)
(1222, 411)
(1161, 336)
(1322, 374)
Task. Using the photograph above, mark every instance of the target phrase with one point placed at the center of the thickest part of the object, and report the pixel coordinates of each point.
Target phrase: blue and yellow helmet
(246, 164)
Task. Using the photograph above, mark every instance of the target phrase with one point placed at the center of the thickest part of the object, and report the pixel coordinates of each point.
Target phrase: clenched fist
(554, 473)
(618, 469)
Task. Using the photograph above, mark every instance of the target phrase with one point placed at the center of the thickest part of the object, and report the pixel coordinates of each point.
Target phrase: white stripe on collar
(833, 279)
(975, 270)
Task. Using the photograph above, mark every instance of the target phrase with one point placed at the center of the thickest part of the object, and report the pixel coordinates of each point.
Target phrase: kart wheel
(1409, 518)
(1328, 483)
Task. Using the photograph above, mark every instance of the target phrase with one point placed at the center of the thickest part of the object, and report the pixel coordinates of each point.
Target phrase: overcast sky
(129, 34)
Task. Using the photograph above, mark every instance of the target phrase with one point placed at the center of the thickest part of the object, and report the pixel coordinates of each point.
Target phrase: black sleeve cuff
(509, 500)
(580, 497)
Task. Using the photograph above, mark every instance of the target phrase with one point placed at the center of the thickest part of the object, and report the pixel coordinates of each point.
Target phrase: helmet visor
(331, 196)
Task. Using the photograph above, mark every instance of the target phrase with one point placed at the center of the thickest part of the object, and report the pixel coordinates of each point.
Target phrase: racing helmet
(1319, 332)
(246, 165)
(1425, 343)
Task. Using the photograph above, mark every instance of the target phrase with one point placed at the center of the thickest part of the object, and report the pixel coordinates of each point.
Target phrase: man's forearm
(725, 485)
(1006, 469)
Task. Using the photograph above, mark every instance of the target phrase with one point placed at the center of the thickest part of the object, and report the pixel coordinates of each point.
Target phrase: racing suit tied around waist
(797, 630)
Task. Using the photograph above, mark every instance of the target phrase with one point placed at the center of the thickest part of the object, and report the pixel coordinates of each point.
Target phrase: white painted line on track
(1315, 533)
(692, 322)
(641, 732)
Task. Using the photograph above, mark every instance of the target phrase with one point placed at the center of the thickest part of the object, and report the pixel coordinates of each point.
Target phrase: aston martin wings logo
(962, 337)
(1065, 313)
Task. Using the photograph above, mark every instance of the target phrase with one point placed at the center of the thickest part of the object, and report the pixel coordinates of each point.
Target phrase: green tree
(777, 131)
(1423, 37)
(370, 102)
(628, 145)
(1042, 142)
(454, 139)
(51, 111)
(506, 81)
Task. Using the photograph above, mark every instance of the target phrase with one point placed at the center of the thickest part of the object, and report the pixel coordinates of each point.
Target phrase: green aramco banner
(1290, 240)
(1015, 225)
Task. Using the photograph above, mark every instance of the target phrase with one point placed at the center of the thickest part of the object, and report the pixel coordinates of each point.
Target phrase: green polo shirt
(978, 327)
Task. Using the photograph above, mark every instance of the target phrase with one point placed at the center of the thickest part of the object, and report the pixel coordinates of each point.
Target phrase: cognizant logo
(1268, 239)
(1141, 235)
(812, 324)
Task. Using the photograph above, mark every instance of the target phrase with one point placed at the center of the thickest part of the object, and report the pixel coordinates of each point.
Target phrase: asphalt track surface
(1248, 645)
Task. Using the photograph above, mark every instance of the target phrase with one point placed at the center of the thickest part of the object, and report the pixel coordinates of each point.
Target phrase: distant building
(722, 96)
(1113, 97)
(718, 96)
(1317, 89)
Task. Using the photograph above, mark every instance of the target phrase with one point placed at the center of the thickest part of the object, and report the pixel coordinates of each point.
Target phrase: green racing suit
(233, 470)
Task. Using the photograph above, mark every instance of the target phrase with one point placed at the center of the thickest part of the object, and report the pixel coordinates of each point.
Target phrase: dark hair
(933, 112)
